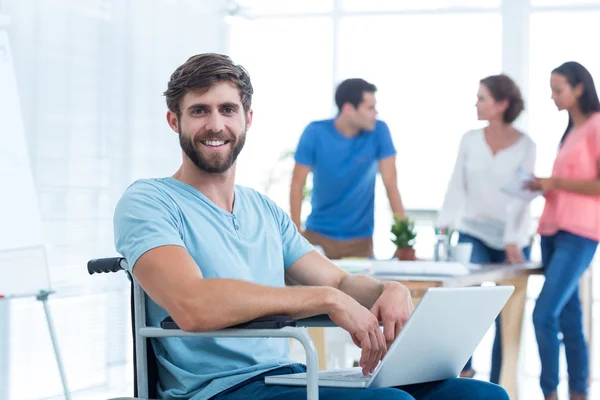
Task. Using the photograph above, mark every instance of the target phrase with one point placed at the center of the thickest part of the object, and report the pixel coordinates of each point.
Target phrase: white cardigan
(474, 203)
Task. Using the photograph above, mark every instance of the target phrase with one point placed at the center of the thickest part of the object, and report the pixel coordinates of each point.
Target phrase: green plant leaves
(404, 232)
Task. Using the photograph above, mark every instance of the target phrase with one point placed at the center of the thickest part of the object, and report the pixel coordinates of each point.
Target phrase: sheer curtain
(91, 75)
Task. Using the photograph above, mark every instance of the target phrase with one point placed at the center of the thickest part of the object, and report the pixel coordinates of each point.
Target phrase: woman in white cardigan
(497, 225)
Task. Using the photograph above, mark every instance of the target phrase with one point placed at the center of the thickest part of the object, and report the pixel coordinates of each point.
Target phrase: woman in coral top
(570, 230)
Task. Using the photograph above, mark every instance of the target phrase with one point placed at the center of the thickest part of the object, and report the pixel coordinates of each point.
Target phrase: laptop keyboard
(345, 375)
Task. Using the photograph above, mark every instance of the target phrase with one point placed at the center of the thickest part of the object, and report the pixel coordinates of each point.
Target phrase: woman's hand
(514, 255)
(442, 230)
(543, 184)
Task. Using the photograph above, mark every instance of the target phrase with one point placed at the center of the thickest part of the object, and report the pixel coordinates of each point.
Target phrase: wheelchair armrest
(316, 321)
(300, 334)
(269, 322)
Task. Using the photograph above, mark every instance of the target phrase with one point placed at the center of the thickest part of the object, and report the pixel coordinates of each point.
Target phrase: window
(550, 46)
(272, 7)
(407, 5)
(564, 3)
(292, 79)
(427, 85)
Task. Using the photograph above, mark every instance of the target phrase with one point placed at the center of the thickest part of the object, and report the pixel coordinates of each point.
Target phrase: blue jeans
(452, 389)
(565, 257)
(483, 254)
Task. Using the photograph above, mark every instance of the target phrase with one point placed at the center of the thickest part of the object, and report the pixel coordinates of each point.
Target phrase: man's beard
(213, 163)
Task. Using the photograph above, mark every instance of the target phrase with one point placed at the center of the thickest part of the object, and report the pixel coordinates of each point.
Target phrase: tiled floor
(529, 391)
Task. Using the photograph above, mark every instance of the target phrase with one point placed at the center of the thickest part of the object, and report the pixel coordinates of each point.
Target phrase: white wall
(91, 76)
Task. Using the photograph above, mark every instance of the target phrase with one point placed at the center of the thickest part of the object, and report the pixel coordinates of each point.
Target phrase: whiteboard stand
(4, 349)
(42, 296)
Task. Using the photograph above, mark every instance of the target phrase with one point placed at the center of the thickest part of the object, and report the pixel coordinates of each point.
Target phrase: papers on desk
(354, 265)
(396, 267)
(516, 187)
(422, 268)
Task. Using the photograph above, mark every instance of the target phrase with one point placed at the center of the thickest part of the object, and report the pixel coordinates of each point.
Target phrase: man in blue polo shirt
(212, 254)
(344, 155)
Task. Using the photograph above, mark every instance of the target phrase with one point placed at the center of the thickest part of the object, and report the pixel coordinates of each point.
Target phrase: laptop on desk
(435, 344)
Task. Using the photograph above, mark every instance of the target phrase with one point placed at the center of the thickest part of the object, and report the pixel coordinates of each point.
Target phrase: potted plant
(404, 233)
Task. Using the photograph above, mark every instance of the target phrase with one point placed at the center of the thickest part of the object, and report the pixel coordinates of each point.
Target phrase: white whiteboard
(23, 265)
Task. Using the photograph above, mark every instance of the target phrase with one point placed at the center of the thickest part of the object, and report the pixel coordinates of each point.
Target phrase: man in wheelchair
(212, 254)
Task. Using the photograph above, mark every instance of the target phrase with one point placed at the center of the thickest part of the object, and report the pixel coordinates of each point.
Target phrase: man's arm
(172, 279)
(315, 269)
(297, 193)
(387, 168)
(169, 275)
(389, 301)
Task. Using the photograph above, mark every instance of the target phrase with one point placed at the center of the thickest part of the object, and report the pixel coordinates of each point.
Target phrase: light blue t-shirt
(344, 172)
(255, 243)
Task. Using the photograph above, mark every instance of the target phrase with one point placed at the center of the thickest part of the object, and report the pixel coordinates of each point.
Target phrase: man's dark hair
(502, 88)
(351, 91)
(201, 72)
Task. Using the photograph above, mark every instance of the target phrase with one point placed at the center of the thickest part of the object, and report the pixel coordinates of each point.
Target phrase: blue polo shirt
(255, 243)
(344, 172)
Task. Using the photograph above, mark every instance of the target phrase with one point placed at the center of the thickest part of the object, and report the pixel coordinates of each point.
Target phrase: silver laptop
(435, 344)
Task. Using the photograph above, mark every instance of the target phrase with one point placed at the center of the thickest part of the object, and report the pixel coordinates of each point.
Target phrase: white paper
(354, 265)
(396, 267)
(517, 187)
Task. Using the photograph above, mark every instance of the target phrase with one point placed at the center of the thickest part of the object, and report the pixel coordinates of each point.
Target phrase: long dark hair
(575, 74)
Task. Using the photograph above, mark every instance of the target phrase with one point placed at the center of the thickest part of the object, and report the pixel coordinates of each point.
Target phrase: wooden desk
(512, 313)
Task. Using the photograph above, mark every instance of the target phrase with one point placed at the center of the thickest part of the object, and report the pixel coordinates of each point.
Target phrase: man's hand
(393, 308)
(514, 255)
(363, 328)
(400, 214)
